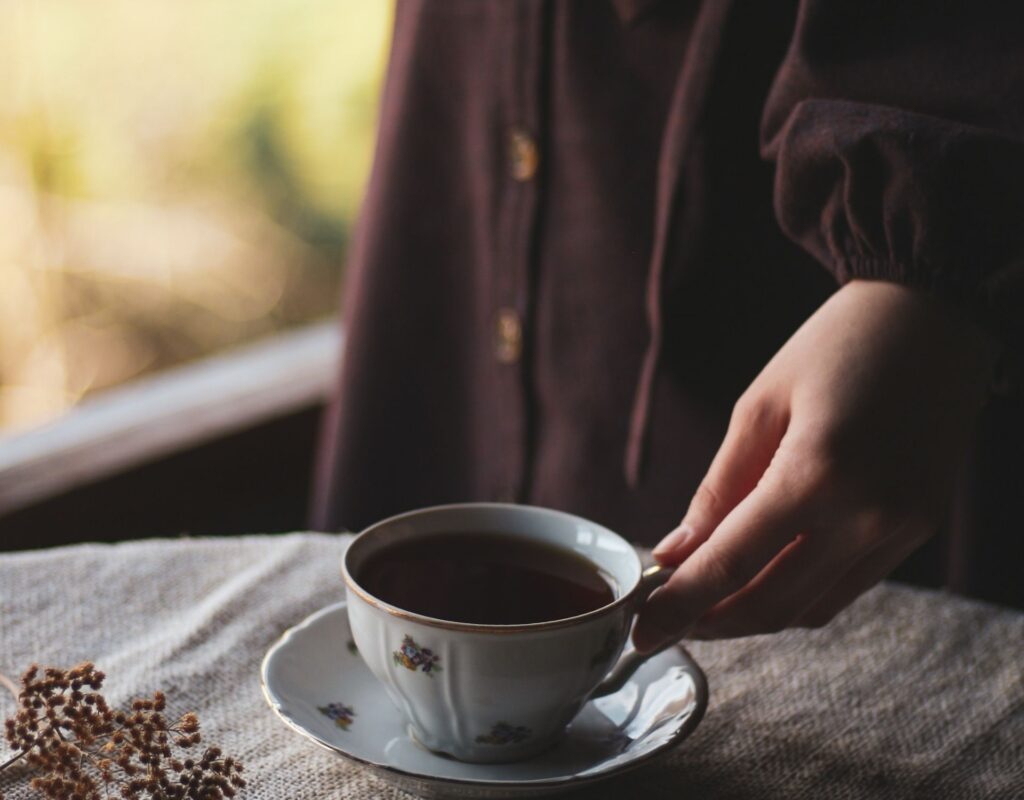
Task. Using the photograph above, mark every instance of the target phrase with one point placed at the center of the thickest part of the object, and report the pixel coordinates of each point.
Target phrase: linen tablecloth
(909, 693)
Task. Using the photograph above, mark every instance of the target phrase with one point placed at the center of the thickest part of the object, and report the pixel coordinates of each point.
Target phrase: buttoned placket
(518, 173)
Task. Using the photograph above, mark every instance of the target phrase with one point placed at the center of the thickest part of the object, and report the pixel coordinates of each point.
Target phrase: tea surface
(486, 579)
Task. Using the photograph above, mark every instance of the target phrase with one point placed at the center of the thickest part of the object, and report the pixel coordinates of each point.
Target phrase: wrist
(971, 349)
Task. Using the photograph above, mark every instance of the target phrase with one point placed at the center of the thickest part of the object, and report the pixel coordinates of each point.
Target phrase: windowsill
(183, 408)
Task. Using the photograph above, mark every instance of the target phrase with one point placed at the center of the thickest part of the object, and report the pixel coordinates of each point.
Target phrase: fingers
(754, 433)
(869, 571)
(776, 598)
(749, 537)
(811, 581)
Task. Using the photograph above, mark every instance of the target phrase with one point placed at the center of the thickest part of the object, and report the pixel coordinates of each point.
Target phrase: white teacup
(493, 693)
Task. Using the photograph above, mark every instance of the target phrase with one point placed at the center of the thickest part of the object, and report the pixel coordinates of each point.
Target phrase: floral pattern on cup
(340, 713)
(351, 646)
(504, 733)
(413, 657)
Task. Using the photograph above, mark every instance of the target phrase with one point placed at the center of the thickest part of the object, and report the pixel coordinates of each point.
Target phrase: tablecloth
(910, 693)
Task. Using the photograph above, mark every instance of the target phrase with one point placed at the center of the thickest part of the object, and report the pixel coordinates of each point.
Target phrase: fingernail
(674, 541)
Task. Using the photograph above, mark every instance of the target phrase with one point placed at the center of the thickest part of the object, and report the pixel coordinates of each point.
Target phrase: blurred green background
(175, 178)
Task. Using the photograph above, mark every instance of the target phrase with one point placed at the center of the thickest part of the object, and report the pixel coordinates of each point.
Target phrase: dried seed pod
(86, 751)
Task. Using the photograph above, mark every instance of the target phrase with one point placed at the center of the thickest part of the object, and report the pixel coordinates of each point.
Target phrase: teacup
(495, 693)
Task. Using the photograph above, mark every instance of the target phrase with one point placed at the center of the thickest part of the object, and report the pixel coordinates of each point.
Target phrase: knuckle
(706, 499)
(799, 477)
(742, 410)
(750, 412)
(831, 469)
(724, 570)
(819, 472)
(836, 485)
(832, 439)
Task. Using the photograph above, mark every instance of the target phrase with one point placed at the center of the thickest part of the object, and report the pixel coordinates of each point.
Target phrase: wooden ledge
(173, 411)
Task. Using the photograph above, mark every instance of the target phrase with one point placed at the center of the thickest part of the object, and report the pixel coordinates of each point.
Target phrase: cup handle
(650, 579)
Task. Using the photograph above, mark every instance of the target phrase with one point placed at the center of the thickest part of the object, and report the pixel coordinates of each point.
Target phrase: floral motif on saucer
(339, 712)
(307, 678)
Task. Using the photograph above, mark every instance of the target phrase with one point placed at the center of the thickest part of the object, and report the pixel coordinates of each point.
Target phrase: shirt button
(523, 156)
(509, 340)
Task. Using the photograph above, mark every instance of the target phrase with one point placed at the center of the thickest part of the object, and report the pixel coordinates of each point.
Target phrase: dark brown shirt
(590, 224)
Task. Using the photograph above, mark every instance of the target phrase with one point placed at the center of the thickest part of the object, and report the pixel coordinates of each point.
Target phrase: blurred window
(175, 178)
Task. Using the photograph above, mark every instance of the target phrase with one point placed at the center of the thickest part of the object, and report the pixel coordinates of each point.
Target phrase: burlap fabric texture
(909, 693)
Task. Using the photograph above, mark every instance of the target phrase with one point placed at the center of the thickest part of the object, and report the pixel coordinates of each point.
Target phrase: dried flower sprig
(84, 750)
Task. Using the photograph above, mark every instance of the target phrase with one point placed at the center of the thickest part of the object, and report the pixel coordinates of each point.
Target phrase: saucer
(317, 684)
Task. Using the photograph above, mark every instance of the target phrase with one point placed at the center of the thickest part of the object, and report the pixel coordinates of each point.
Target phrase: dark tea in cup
(482, 619)
(486, 579)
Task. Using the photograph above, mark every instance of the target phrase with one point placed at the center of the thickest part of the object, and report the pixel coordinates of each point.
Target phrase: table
(910, 693)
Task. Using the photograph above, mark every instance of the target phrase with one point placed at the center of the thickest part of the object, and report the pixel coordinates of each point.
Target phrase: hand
(838, 462)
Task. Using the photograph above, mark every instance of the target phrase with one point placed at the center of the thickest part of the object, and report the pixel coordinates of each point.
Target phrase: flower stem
(11, 686)
(10, 761)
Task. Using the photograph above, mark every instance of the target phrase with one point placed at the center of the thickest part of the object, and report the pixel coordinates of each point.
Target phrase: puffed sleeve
(897, 131)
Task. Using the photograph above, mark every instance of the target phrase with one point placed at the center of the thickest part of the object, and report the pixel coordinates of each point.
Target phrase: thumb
(755, 430)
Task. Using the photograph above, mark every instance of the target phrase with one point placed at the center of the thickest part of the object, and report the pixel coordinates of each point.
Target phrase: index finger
(744, 543)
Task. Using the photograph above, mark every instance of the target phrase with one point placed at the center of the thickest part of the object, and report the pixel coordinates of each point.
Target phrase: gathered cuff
(878, 193)
(900, 157)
